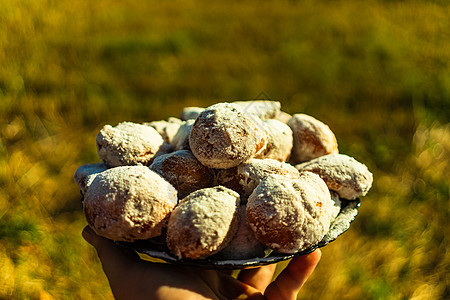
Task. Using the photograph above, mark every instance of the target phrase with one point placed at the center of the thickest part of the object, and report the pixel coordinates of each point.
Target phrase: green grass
(377, 72)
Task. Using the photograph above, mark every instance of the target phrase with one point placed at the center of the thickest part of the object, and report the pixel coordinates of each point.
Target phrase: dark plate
(156, 248)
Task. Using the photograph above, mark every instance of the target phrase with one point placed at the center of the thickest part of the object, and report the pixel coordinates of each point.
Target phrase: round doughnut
(203, 223)
(342, 173)
(319, 207)
(167, 129)
(244, 244)
(180, 140)
(191, 112)
(85, 174)
(245, 177)
(223, 137)
(128, 203)
(128, 144)
(280, 141)
(312, 138)
(183, 171)
(290, 215)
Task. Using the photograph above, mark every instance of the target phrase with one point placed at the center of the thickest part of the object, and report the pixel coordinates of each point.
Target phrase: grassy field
(377, 72)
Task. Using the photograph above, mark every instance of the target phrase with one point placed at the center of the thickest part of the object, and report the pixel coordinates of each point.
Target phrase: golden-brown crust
(280, 141)
(312, 138)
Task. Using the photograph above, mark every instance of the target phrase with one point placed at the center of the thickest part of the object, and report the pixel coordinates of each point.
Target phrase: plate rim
(350, 209)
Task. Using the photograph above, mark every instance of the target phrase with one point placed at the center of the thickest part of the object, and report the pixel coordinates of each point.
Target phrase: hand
(133, 278)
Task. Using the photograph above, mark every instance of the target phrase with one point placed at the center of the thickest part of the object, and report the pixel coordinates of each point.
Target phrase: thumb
(114, 260)
(291, 279)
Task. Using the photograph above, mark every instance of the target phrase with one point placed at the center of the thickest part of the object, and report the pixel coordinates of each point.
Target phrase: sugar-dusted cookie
(336, 204)
(183, 171)
(203, 223)
(283, 117)
(290, 215)
(342, 173)
(128, 144)
(264, 109)
(312, 138)
(223, 136)
(167, 129)
(245, 177)
(128, 203)
(280, 141)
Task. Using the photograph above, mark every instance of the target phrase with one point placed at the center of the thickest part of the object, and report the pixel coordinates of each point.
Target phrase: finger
(227, 287)
(114, 261)
(291, 279)
(258, 278)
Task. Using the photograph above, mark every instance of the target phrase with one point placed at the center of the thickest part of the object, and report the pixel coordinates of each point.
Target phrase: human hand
(133, 278)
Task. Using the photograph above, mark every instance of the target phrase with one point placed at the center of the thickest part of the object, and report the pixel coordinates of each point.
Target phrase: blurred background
(377, 72)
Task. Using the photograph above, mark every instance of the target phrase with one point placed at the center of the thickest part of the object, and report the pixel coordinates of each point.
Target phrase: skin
(132, 278)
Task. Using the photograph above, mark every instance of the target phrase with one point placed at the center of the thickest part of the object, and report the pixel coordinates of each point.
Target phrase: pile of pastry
(232, 180)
